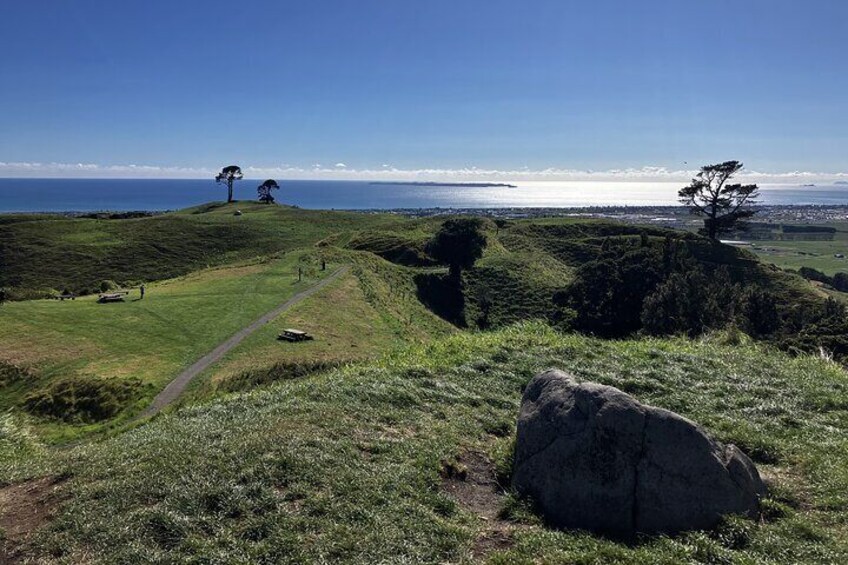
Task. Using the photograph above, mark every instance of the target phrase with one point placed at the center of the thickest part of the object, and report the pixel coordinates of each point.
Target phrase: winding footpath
(176, 387)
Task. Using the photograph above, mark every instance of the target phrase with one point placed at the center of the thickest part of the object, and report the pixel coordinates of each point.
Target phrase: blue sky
(179, 88)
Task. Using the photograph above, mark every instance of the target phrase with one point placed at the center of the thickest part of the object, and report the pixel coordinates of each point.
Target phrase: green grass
(54, 252)
(819, 255)
(367, 312)
(148, 340)
(516, 286)
(407, 248)
(345, 466)
(796, 253)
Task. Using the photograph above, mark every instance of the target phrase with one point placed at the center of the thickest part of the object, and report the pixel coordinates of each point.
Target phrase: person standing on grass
(141, 288)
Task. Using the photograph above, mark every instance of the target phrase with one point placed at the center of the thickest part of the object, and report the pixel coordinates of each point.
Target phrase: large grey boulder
(594, 458)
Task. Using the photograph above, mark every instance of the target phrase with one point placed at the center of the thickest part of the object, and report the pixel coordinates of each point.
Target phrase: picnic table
(66, 296)
(294, 335)
(111, 297)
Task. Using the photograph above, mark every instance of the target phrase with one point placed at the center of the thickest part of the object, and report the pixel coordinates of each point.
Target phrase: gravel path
(175, 388)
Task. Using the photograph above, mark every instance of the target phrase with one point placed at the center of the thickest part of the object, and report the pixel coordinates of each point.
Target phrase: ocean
(86, 195)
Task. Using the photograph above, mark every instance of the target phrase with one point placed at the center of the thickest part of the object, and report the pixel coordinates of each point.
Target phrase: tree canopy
(264, 191)
(459, 243)
(723, 205)
(228, 175)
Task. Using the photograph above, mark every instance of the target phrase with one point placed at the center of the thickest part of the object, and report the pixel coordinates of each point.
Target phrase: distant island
(460, 184)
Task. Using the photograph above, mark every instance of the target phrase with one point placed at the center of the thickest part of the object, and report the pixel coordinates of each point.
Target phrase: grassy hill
(38, 253)
(76, 349)
(369, 311)
(399, 459)
(79, 365)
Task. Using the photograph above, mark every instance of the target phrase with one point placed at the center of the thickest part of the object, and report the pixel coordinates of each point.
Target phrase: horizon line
(342, 172)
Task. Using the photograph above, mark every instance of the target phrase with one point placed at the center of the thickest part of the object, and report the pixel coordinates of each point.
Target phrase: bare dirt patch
(787, 480)
(471, 481)
(24, 508)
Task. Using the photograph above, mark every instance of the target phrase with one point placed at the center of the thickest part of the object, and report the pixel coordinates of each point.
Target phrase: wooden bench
(294, 335)
(111, 297)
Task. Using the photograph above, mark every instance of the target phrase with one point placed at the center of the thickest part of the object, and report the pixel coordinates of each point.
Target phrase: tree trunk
(229, 191)
(712, 229)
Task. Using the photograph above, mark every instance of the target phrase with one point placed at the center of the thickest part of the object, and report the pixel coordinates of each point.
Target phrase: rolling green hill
(39, 253)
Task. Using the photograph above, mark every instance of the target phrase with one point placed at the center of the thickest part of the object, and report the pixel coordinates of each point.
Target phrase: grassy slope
(150, 339)
(344, 466)
(518, 283)
(529, 260)
(54, 252)
(364, 314)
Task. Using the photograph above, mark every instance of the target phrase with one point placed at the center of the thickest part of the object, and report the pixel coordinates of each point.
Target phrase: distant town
(666, 216)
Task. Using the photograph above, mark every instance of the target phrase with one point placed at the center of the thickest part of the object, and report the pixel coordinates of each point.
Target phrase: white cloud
(340, 171)
(93, 170)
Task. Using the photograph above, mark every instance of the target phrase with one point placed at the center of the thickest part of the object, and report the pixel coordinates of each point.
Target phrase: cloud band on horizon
(386, 172)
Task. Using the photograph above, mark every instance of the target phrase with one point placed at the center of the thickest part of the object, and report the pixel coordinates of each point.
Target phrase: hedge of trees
(642, 287)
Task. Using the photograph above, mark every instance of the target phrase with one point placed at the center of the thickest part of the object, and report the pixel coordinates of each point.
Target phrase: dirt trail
(475, 488)
(175, 388)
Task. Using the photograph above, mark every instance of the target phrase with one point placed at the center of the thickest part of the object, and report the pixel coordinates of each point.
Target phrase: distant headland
(459, 184)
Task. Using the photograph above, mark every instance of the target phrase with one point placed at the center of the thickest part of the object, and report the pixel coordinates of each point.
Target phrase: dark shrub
(758, 312)
(458, 244)
(82, 399)
(827, 331)
(689, 303)
(107, 285)
(840, 282)
(814, 275)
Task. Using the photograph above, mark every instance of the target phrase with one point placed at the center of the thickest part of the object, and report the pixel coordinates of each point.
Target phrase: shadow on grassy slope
(441, 294)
